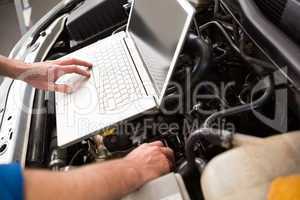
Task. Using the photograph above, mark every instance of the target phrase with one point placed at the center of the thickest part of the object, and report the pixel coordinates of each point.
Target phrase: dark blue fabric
(11, 182)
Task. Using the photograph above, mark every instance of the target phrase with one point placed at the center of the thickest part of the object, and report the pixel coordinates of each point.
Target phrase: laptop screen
(156, 26)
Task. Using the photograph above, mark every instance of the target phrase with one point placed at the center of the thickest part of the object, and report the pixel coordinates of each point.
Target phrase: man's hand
(43, 75)
(106, 181)
(151, 161)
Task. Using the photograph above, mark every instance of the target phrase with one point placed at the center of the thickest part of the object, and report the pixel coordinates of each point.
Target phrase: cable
(196, 27)
(259, 66)
(222, 29)
(75, 156)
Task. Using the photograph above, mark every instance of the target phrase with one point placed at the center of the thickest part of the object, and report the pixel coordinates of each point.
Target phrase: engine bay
(224, 84)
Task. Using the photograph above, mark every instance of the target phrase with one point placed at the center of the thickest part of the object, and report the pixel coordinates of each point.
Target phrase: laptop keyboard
(115, 80)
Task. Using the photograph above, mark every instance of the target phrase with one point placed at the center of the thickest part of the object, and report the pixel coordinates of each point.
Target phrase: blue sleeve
(11, 182)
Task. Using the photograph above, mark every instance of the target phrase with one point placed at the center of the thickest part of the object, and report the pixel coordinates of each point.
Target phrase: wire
(222, 29)
(259, 65)
(196, 27)
(75, 156)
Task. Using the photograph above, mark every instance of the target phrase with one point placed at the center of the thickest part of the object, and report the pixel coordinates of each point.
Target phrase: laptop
(131, 71)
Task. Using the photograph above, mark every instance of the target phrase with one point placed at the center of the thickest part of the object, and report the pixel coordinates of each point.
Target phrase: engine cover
(95, 17)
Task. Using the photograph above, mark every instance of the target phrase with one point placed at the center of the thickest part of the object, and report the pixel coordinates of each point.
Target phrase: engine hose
(243, 108)
(202, 52)
(198, 48)
(221, 137)
(213, 136)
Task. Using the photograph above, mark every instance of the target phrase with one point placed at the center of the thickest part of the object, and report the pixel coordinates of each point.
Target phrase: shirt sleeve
(11, 182)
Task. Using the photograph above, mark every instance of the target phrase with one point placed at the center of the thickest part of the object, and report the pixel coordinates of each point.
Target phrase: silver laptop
(131, 71)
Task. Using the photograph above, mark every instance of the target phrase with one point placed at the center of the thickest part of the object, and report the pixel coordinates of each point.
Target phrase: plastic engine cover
(95, 17)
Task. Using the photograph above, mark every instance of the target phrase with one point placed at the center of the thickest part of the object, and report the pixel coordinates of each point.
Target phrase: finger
(59, 88)
(74, 61)
(168, 167)
(156, 143)
(73, 69)
(169, 154)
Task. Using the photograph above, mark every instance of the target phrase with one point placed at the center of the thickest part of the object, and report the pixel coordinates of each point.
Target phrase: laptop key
(115, 81)
(111, 104)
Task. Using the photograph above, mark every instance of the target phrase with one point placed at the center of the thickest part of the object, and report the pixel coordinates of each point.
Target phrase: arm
(43, 75)
(9, 67)
(107, 181)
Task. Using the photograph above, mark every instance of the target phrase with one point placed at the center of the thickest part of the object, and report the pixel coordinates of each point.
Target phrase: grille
(273, 9)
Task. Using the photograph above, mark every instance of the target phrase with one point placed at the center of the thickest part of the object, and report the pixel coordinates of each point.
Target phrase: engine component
(118, 142)
(202, 52)
(217, 137)
(38, 139)
(58, 157)
(95, 17)
(281, 48)
(286, 12)
(244, 108)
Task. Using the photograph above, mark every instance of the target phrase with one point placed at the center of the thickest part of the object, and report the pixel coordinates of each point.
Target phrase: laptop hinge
(144, 75)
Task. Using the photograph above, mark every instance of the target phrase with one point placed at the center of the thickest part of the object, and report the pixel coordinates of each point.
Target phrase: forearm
(10, 67)
(107, 181)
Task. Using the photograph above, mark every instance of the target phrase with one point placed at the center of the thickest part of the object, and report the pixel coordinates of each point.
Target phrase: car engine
(225, 83)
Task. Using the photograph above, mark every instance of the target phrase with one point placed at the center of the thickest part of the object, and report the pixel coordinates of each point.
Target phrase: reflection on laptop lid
(158, 29)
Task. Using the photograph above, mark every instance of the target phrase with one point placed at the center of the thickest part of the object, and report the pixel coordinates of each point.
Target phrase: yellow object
(108, 132)
(285, 188)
